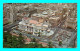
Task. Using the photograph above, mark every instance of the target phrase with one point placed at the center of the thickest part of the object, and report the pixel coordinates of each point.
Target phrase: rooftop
(33, 21)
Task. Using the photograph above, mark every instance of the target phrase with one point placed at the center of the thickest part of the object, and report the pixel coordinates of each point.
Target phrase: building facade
(35, 27)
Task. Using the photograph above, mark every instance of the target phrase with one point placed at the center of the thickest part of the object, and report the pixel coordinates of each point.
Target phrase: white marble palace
(35, 27)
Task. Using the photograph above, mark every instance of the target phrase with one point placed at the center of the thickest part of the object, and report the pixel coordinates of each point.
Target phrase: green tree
(33, 40)
(7, 39)
(60, 43)
(17, 42)
(20, 38)
(50, 45)
(39, 34)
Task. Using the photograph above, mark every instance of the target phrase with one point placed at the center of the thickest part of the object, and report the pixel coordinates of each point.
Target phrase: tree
(6, 36)
(36, 45)
(7, 39)
(20, 38)
(33, 40)
(17, 42)
(60, 43)
(50, 45)
(39, 34)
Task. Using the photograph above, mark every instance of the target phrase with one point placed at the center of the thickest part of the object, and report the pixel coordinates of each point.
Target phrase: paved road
(8, 27)
(72, 38)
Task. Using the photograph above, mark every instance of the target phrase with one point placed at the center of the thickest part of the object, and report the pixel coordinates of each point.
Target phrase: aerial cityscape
(40, 25)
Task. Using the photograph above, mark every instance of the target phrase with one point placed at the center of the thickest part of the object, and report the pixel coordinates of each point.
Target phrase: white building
(35, 27)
